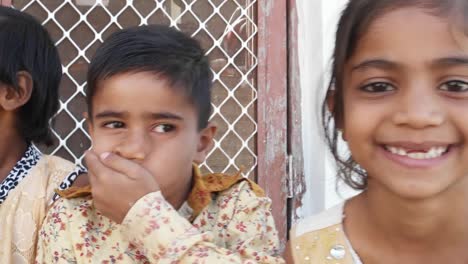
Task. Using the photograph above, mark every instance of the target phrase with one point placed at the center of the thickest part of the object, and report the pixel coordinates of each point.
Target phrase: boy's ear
(12, 99)
(205, 142)
(90, 127)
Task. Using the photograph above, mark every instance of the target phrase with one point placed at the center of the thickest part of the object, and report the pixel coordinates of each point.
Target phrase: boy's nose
(133, 147)
(419, 110)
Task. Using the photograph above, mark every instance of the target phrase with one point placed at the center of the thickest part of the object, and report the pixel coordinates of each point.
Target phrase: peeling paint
(272, 107)
(295, 116)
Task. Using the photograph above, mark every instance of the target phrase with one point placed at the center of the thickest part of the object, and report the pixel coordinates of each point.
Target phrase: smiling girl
(399, 99)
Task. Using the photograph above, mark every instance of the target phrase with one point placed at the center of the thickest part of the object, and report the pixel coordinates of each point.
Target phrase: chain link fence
(227, 30)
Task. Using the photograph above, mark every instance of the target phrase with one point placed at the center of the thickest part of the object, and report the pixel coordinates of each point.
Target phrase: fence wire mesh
(227, 30)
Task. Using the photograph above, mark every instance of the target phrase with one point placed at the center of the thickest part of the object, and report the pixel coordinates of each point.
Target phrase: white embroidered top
(25, 195)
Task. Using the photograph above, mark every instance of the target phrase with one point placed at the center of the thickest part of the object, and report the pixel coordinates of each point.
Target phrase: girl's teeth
(418, 155)
(433, 152)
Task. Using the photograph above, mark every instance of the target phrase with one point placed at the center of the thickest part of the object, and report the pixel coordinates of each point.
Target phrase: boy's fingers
(122, 165)
(90, 164)
(96, 168)
(92, 178)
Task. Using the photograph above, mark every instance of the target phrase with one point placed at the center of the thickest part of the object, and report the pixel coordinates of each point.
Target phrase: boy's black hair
(26, 46)
(161, 50)
(353, 24)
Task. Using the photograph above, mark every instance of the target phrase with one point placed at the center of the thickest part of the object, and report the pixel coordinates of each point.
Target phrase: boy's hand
(117, 183)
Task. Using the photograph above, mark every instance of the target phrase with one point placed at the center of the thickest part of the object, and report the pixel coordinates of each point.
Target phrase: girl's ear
(331, 104)
(12, 99)
(331, 100)
(205, 142)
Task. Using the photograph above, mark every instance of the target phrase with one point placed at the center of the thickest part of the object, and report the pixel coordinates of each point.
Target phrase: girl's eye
(378, 87)
(163, 128)
(114, 125)
(455, 86)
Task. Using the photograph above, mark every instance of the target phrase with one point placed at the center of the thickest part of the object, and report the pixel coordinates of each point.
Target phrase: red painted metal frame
(5, 2)
(294, 115)
(272, 107)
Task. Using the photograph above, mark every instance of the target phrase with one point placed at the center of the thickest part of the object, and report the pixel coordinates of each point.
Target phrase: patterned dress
(25, 195)
(226, 219)
(321, 239)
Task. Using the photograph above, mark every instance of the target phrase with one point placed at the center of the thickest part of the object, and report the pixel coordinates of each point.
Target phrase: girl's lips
(418, 153)
(418, 161)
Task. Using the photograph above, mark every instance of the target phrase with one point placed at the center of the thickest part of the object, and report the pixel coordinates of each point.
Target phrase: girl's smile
(406, 104)
(418, 155)
(398, 96)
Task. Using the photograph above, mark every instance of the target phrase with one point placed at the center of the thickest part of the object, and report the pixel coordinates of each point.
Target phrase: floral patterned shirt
(234, 226)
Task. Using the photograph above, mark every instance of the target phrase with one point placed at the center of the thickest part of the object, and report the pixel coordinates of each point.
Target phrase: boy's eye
(114, 124)
(377, 87)
(163, 128)
(455, 86)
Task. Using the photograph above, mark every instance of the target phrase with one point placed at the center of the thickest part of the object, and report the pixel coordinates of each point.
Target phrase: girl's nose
(419, 110)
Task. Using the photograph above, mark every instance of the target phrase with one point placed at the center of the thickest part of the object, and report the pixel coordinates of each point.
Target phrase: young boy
(30, 73)
(149, 93)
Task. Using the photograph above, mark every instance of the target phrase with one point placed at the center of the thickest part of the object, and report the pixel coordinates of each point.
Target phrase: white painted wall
(317, 25)
(311, 68)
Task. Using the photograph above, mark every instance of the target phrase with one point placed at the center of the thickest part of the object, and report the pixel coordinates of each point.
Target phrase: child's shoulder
(322, 220)
(61, 174)
(52, 170)
(73, 208)
(242, 193)
(223, 190)
(73, 204)
(320, 238)
(227, 185)
(54, 159)
(56, 163)
(241, 187)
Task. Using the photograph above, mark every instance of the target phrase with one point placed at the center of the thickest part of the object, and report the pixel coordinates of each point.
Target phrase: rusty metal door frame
(296, 183)
(272, 107)
(280, 154)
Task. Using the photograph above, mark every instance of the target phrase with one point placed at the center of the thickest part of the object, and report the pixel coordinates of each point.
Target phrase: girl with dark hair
(30, 73)
(399, 99)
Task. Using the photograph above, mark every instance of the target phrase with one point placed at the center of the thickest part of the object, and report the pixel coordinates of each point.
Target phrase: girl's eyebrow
(375, 63)
(451, 61)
